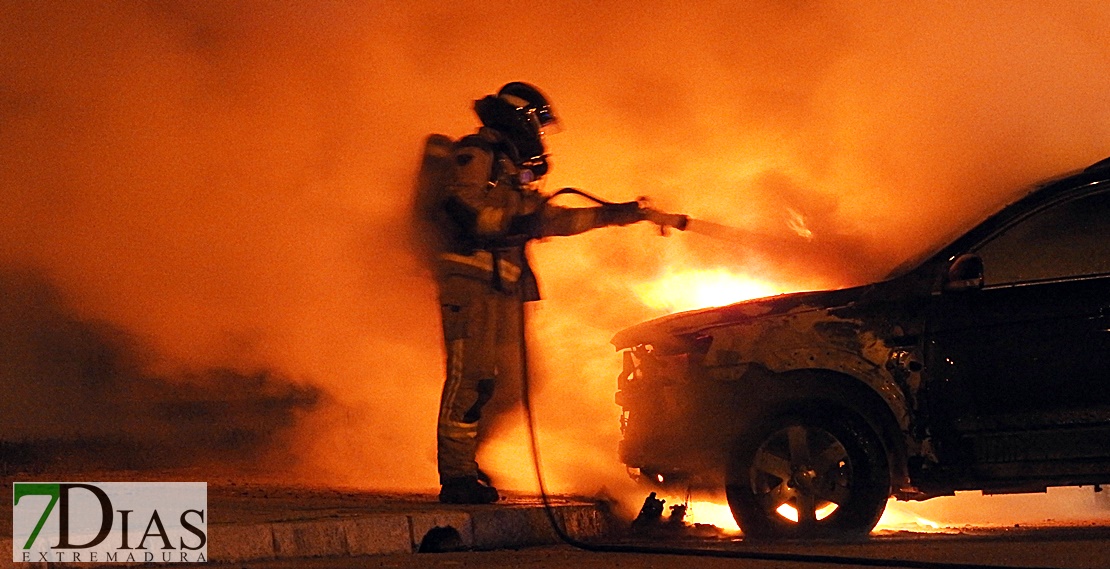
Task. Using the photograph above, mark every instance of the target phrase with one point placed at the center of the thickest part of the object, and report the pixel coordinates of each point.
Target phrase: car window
(1071, 239)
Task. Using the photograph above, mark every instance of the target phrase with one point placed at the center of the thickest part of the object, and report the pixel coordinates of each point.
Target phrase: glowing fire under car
(982, 366)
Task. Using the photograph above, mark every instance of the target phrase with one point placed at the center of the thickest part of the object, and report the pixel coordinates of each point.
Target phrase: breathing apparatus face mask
(531, 173)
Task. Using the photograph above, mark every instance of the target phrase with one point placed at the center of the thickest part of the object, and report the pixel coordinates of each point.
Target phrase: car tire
(826, 468)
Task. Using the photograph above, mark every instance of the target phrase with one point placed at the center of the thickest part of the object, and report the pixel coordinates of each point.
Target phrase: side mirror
(965, 273)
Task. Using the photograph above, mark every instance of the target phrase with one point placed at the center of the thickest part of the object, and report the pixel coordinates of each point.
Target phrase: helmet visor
(548, 122)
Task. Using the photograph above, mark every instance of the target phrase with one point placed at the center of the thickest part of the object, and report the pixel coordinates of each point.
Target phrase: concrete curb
(490, 527)
(478, 527)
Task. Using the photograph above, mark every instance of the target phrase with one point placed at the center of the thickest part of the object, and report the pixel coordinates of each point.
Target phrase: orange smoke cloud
(230, 182)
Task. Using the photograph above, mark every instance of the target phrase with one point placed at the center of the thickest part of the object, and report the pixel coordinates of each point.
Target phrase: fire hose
(680, 222)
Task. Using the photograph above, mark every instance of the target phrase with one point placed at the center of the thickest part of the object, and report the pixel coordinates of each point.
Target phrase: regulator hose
(578, 192)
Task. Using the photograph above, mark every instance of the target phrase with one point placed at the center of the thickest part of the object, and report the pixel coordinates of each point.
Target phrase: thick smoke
(77, 395)
(228, 184)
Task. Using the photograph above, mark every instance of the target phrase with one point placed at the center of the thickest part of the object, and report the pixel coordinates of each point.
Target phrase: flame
(712, 513)
(679, 290)
(791, 513)
(707, 512)
(898, 516)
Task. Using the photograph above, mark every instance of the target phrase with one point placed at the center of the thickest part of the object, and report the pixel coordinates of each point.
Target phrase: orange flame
(712, 513)
(679, 290)
(791, 513)
(897, 517)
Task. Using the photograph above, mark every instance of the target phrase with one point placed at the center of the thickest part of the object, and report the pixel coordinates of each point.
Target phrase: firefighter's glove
(620, 213)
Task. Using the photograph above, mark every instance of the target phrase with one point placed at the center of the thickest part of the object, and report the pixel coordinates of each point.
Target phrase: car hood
(667, 329)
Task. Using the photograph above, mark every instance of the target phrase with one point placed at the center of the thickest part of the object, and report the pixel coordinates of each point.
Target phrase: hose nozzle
(664, 220)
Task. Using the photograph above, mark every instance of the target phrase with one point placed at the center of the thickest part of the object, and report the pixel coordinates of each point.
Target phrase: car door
(1031, 348)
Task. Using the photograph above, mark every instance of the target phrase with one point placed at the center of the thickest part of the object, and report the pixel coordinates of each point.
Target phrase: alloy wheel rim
(801, 474)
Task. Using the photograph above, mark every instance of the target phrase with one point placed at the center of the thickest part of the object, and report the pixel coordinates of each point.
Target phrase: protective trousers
(482, 336)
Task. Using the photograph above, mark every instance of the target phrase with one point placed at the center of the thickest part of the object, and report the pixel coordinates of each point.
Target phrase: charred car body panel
(984, 366)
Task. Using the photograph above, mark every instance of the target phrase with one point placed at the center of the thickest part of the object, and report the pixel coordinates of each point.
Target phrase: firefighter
(490, 208)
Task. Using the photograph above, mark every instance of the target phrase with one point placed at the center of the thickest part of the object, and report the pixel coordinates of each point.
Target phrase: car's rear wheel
(808, 475)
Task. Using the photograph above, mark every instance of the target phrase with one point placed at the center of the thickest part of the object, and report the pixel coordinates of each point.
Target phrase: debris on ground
(650, 522)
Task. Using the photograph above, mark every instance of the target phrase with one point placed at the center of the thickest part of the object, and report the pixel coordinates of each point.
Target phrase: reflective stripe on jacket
(483, 261)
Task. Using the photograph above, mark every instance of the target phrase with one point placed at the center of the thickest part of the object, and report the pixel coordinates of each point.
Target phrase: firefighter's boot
(467, 490)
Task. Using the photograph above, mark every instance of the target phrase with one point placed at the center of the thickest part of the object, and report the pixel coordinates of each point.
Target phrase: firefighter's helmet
(524, 115)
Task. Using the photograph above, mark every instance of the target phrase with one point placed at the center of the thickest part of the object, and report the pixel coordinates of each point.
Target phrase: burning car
(983, 365)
